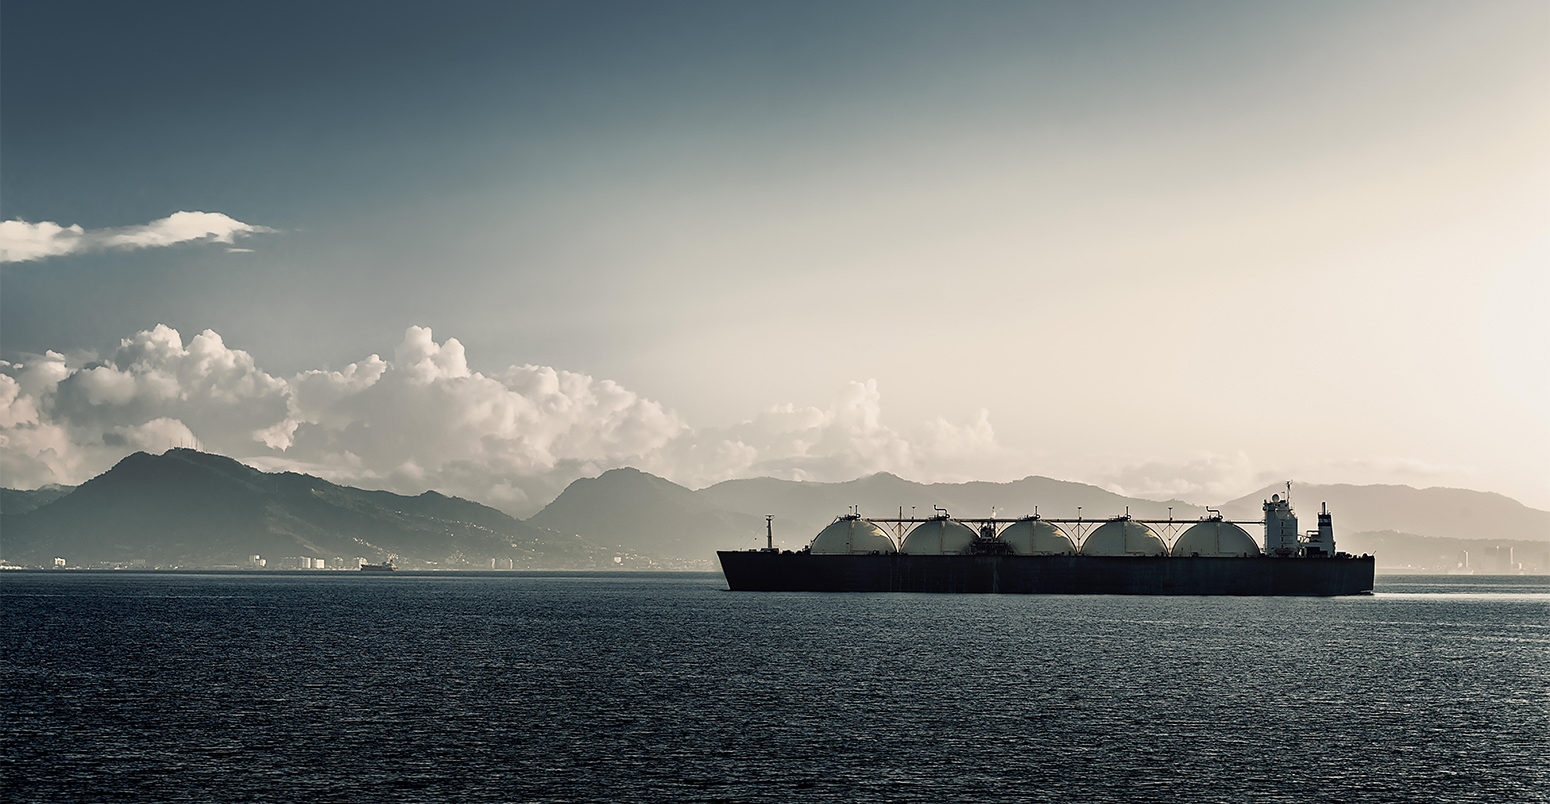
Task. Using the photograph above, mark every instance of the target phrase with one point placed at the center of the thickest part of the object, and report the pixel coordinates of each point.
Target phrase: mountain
(1436, 512)
(193, 509)
(802, 508)
(13, 501)
(640, 513)
(647, 513)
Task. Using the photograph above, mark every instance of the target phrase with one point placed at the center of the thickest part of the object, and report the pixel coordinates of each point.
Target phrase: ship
(1036, 555)
(386, 566)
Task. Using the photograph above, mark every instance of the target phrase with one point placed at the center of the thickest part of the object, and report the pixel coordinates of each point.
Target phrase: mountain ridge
(191, 508)
(736, 510)
(1437, 511)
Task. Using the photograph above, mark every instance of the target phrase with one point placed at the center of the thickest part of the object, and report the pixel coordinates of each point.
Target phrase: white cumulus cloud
(21, 241)
(843, 440)
(426, 419)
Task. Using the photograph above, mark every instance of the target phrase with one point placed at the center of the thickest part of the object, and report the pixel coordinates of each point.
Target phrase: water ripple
(650, 688)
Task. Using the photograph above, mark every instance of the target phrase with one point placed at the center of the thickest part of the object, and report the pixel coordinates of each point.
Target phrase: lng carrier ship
(1036, 555)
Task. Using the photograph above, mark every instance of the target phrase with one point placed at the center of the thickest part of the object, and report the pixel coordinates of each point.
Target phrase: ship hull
(762, 571)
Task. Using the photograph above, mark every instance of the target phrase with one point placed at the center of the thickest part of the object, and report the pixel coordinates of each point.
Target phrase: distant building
(59, 563)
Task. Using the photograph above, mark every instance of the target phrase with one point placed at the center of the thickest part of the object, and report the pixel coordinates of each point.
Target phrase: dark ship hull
(765, 571)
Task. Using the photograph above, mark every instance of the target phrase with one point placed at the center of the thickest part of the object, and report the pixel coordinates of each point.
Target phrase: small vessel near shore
(1036, 555)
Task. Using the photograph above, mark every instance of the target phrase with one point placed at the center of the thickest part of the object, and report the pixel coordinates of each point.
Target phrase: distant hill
(192, 509)
(644, 512)
(13, 501)
(639, 513)
(1436, 512)
(801, 509)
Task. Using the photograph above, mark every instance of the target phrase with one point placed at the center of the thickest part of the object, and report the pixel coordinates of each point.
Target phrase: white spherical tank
(1036, 537)
(1123, 537)
(938, 537)
(1215, 538)
(851, 535)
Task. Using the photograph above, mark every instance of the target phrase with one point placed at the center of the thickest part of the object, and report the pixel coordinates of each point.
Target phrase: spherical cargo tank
(938, 537)
(1123, 537)
(851, 535)
(1215, 538)
(1036, 537)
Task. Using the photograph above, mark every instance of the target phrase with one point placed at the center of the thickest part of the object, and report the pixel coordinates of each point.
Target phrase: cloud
(426, 419)
(69, 418)
(843, 440)
(21, 241)
(1212, 478)
(1205, 478)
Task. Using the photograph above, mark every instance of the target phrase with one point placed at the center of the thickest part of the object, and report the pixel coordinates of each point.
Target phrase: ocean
(637, 687)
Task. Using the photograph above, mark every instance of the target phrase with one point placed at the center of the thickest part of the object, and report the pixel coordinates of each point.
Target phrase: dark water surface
(639, 687)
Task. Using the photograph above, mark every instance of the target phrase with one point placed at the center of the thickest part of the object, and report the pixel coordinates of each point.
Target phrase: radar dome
(851, 535)
(1037, 537)
(1214, 537)
(937, 537)
(1123, 537)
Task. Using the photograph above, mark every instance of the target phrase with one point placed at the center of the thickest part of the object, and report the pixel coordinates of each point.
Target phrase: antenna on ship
(769, 532)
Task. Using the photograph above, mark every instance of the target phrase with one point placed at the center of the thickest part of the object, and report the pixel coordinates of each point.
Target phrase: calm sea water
(630, 687)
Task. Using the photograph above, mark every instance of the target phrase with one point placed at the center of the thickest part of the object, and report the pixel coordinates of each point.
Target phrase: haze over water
(642, 687)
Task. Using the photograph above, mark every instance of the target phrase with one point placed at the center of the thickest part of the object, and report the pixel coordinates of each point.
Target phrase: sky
(1176, 249)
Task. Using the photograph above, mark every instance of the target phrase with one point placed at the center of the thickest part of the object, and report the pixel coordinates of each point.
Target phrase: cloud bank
(425, 419)
(21, 241)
